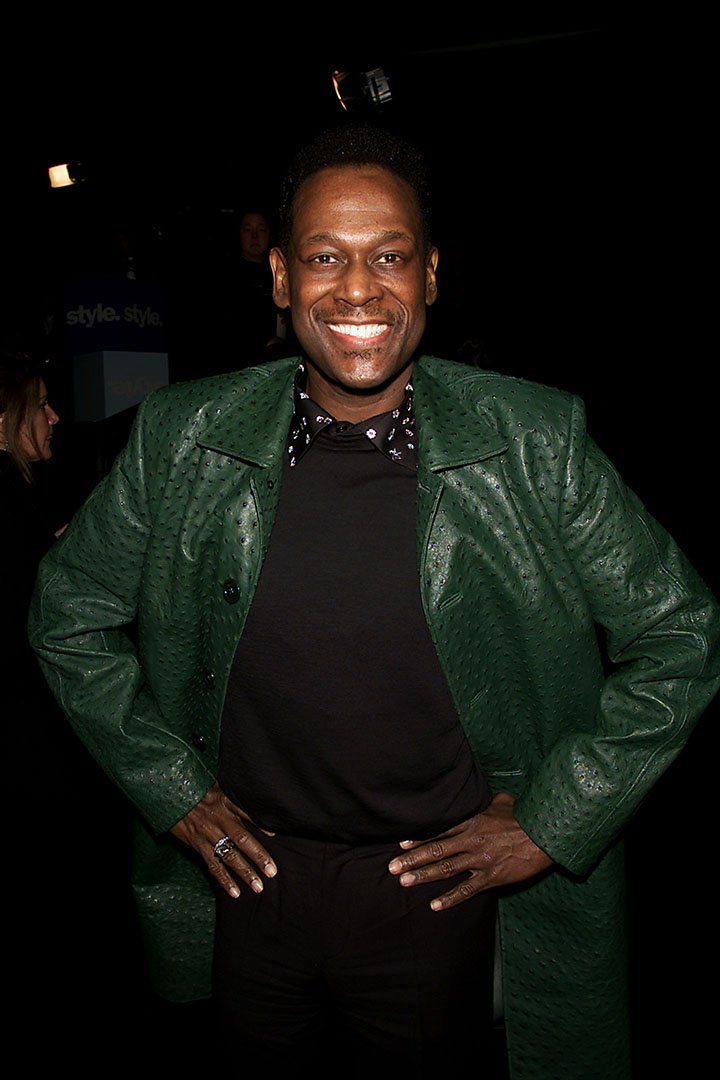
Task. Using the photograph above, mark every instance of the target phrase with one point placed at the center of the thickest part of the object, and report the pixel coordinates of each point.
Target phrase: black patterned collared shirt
(393, 432)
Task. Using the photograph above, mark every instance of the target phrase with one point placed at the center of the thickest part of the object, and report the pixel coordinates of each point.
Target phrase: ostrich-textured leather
(527, 538)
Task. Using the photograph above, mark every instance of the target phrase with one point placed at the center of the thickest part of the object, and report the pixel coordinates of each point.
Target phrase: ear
(430, 276)
(278, 265)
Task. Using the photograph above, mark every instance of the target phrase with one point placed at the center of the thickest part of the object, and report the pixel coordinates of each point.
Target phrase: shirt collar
(393, 433)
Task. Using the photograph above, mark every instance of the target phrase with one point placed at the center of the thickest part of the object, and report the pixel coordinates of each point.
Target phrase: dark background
(561, 220)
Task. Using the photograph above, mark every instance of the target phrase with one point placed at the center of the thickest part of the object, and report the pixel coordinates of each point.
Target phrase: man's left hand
(491, 847)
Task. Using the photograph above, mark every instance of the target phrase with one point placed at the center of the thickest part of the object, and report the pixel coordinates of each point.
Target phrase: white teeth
(359, 330)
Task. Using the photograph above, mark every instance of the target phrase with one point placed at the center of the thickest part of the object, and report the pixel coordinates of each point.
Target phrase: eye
(390, 258)
(323, 259)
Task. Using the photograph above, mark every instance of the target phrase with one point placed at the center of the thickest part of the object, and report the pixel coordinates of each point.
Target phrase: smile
(359, 331)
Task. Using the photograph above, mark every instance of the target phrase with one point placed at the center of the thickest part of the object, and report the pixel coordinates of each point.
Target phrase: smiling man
(366, 688)
(357, 275)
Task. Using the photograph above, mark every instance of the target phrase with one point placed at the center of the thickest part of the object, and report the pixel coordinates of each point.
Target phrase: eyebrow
(335, 238)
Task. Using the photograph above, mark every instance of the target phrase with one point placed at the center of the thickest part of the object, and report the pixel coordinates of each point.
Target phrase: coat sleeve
(662, 629)
(82, 627)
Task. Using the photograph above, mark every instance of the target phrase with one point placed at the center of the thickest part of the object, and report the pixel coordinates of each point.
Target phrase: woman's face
(36, 430)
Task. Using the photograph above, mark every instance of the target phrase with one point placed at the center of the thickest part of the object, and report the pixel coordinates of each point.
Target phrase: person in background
(250, 328)
(50, 776)
(27, 425)
(254, 233)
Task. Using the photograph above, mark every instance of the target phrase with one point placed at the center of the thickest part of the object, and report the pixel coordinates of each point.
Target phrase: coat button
(231, 591)
(198, 740)
(209, 679)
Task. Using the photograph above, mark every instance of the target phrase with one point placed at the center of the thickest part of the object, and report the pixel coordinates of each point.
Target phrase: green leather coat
(526, 540)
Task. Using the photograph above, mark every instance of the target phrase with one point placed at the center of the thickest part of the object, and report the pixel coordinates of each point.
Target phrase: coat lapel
(254, 425)
(452, 433)
(252, 429)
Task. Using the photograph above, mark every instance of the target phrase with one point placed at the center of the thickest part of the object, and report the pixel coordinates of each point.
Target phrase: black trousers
(336, 962)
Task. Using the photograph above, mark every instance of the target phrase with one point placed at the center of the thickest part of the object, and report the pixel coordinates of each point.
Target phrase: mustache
(351, 314)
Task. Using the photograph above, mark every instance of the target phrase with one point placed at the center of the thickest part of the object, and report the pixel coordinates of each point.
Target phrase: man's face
(254, 237)
(357, 278)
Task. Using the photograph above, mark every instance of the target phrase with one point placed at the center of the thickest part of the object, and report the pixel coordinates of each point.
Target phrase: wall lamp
(69, 173)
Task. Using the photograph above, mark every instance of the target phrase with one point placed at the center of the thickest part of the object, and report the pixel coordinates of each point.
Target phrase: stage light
(360, 90)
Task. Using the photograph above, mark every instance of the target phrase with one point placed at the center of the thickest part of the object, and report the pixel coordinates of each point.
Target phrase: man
(380, 576)
(254, 235)
(250, 310)
(247, 324)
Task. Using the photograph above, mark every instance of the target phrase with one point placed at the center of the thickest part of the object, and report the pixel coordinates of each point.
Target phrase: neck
(356, 406)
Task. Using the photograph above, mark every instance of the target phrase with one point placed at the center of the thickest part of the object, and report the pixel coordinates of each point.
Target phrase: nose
(358, 284)
(52, 416)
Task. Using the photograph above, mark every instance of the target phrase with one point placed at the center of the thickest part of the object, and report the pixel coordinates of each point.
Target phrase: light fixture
(360, 90)
(66, 174)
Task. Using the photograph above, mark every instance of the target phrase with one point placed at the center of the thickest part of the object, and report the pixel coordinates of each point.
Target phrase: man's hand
(213, 819)
(490, 846)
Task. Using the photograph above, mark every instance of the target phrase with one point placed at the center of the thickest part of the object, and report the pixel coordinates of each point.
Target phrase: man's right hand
(213, 819)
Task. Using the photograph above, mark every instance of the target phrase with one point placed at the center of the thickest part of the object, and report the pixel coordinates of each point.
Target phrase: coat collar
(254, 424)
(455, 426)
(452, 430)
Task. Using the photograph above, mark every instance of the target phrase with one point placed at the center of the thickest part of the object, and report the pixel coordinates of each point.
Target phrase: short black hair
(355, 145)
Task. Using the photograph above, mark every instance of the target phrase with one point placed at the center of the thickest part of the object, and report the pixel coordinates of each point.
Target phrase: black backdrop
(562, 233)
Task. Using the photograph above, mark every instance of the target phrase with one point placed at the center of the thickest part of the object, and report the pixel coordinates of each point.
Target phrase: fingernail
(256, 885)
(406, 843)
(234, 892)
(395, 866)
(436, 905)
(270, 869)
(407, 879)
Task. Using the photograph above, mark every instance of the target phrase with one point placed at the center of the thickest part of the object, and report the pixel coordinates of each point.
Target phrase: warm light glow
(337, 78)
(60, 176)
(362, 90)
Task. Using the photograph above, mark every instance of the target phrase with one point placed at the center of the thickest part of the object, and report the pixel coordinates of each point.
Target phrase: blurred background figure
(255, 317)
(254, 238)
(27, 423)
(221, 312)
(52, 784)
(251, 329)
(28, 527)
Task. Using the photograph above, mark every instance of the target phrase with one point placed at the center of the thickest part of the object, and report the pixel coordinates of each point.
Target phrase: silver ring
(223, 847)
